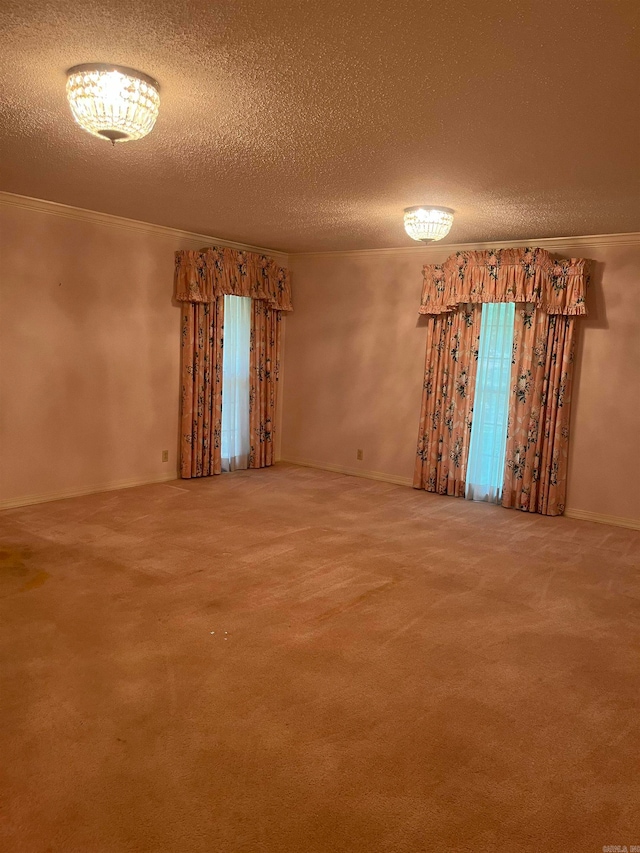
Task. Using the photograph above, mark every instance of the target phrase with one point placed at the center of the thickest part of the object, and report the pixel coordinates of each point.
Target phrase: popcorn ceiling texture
(309, 126)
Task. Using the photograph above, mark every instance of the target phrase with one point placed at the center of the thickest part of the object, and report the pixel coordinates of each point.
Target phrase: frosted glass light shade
(427, 223)
(113, 102)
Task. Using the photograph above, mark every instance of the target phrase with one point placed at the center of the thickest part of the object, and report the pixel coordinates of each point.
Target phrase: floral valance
(506, 275)
(221, 271)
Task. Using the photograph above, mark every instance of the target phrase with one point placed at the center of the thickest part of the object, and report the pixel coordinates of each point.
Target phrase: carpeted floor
(294, 661)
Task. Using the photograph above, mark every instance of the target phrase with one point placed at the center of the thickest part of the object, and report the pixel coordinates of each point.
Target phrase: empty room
(319, 419)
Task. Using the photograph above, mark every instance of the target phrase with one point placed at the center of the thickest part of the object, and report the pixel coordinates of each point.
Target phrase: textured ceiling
(309, 126)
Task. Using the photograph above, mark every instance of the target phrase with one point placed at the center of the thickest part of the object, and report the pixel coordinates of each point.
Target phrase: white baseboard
(614, 520)
(353, 472)
(578, 514)
(27, 500)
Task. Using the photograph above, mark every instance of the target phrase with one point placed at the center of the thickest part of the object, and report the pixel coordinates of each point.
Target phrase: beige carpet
(294, 661)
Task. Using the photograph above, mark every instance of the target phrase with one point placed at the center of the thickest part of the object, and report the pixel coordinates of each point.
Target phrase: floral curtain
(201, 398)
(453, 341)
(264, 369)
(538, 429)
(551, 294)
(220, 271)
(202, 279)
(506, 275)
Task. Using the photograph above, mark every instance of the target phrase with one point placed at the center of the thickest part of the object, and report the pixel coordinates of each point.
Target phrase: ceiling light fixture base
(427, 223)
(113, 102)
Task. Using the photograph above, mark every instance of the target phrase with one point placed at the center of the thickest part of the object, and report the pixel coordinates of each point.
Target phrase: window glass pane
(485, 467)
(235, 383)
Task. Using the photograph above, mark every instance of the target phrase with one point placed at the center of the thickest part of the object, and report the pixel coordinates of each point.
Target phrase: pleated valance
(220, 271)
(506, 275)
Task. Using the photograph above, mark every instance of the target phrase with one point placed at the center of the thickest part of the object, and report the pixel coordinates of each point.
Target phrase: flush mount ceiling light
(427, 223)
(112, 102)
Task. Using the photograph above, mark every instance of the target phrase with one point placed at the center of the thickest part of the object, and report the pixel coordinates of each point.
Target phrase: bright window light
(485, 467)
(235, 383)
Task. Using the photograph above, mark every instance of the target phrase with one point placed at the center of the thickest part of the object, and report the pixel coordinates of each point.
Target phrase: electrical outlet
(360, 455)
(165, 455)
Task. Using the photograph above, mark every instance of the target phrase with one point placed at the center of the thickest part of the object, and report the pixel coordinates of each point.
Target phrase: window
(235, 383)
(485, 466)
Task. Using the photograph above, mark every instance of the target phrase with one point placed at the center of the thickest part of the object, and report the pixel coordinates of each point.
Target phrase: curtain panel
(506, 275)
(552, 295)
(202, 280)
(264, 371)
(201, 392)
(535, 474)
(447, 401)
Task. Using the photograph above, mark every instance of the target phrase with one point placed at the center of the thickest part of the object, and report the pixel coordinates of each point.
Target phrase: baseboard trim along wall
(354, 472)
(27, 500)
(578, 514)
(614, 520)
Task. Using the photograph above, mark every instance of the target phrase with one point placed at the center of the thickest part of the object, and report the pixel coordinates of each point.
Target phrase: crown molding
(54, 208)
(438, 249)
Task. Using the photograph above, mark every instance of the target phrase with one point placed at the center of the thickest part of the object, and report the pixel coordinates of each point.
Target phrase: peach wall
(604, 473)
(355, 357)
(89, 355)
(89, 363)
